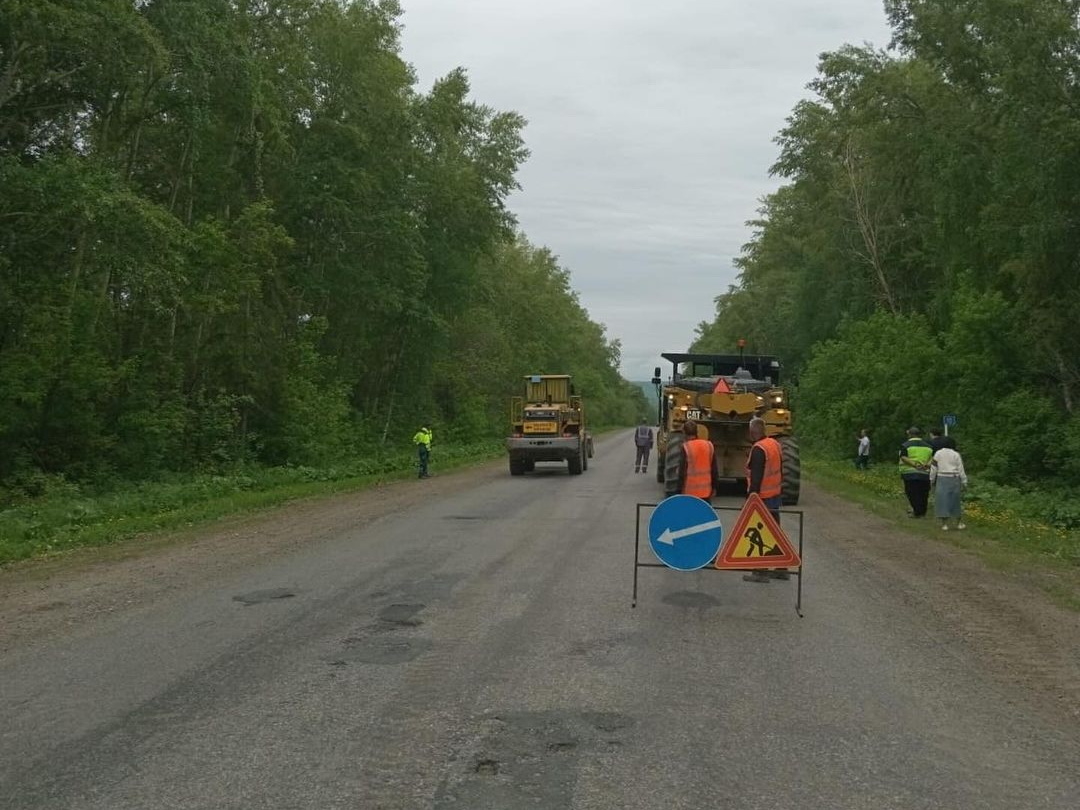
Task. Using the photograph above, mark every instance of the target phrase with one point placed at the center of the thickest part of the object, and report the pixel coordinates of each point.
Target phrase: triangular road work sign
(757, 541)
(721, 387)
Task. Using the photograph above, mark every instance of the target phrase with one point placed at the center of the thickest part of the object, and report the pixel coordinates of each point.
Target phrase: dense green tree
(935, 182)
(235, 230)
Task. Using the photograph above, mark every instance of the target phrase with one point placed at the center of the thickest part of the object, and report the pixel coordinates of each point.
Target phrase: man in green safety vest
(915, 456)
(422, 440)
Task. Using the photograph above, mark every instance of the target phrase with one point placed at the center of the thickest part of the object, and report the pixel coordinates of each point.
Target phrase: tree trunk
(869, 228)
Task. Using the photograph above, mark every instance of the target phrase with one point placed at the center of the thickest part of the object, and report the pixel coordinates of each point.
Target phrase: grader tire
(517, 466)
(792, 471)
(672, 458)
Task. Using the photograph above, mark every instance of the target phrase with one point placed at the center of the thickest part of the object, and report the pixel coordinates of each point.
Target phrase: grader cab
(722, 393)
(547, 423)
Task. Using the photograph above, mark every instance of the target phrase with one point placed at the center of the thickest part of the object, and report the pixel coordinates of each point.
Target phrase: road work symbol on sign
(757, 541)
(685, 533)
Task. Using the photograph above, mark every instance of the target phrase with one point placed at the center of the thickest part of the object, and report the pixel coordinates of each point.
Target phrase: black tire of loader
(792, 471)
(672, 459)
(574, 464)
(517, 466)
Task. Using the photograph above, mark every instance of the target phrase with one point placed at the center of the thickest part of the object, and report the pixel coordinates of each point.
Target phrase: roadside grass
(1036, 533)
(66, 518)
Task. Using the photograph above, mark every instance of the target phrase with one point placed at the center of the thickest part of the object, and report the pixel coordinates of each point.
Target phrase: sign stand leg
(802, 565)
(637, 543)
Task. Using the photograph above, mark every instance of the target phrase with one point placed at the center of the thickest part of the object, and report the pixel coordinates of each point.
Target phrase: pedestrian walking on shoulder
(422, 440)
(949, 479)
(862, 454)
(939, 440)
(915, 456)
(765, 477)
(643, 441)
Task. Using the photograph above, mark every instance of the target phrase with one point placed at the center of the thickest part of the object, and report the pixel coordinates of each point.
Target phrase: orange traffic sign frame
(757, 541)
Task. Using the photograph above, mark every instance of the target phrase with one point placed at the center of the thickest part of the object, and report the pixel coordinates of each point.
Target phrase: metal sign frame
(796, 572)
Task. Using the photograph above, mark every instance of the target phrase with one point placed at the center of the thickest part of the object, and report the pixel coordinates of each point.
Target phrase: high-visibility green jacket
(423, 436)
(919, 452)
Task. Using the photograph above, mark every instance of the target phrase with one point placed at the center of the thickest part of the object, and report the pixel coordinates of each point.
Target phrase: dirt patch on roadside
(41, 598)
(1000, 621)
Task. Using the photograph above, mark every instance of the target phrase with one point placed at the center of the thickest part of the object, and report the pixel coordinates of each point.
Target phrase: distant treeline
(923, 257)
(235, 231)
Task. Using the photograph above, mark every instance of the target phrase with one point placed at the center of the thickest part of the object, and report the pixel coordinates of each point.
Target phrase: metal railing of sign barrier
(796, 572)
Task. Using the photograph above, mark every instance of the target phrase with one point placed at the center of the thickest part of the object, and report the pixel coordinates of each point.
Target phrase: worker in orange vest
(698, 474)
(765, 476)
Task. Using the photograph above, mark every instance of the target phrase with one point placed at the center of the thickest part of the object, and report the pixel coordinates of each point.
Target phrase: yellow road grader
(722, 393)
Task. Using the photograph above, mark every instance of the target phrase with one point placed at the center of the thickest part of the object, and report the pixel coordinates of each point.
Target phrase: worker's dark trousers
(917, 489)
(424, 453)
(642, 460)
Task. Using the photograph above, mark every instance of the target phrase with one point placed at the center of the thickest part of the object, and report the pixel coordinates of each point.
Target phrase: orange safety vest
(772, 479)
(699, 468)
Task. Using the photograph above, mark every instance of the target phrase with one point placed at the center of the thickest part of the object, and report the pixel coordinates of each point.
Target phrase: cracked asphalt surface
(468, 642)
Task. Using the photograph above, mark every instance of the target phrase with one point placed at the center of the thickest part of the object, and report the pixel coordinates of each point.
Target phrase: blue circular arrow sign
(685, 533)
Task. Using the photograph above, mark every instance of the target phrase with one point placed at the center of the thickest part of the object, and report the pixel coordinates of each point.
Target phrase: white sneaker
(944, 527)
(961, 526)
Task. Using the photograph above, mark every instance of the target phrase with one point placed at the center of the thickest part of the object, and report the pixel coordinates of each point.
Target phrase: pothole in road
(382, 650)
(268, 595)
(562, 745)
(532, 759)
(690, 599)
(402, 615)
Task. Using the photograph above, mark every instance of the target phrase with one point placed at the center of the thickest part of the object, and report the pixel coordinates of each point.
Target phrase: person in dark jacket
(939, 440)
(643, 441)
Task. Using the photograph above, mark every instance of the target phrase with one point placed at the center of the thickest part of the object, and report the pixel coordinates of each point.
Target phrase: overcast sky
(651, 128)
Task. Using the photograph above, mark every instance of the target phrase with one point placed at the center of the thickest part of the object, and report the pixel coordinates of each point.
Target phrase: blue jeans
(773, 505)
(424, 453)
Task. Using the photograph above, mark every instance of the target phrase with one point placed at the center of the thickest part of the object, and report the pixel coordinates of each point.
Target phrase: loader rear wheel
(584, 459)
(573, 464)
(672, 459)
(660, 469)
(792, 471)
(517, 466)
(530, 464)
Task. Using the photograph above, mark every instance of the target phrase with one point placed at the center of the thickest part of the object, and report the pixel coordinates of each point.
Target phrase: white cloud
(651, 128)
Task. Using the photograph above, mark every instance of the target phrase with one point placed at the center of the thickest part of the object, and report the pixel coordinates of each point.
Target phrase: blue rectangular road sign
(949, 419)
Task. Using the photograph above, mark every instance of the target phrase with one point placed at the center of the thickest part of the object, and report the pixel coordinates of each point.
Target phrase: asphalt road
(478, 650)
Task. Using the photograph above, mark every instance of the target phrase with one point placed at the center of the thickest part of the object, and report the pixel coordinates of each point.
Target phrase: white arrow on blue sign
(685, 533)
(949, 419)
